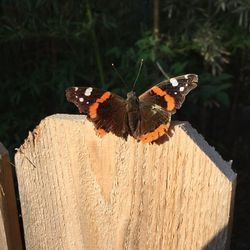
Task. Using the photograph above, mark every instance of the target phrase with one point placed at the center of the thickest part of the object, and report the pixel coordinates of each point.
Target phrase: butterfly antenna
(119, 75)
(139, 71)
(162, 70)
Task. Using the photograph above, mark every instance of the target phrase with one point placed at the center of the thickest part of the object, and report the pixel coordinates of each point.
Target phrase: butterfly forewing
(106, 110)
(170, 94)
(83, 97)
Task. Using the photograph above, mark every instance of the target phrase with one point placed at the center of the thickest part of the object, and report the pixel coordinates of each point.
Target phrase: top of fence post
(79, 191)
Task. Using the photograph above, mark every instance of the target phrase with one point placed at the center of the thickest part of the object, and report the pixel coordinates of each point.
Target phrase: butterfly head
(131, 94)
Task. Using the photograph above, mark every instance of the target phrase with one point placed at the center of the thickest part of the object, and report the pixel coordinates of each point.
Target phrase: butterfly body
(133, 111)
(146, 118)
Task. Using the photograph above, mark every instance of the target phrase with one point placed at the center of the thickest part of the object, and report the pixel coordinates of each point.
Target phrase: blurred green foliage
(47, 46)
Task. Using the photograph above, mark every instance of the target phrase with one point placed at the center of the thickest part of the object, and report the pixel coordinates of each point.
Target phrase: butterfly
(146, 118)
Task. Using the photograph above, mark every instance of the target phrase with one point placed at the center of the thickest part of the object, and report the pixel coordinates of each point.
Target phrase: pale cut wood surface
(10, 236)
(79, 191)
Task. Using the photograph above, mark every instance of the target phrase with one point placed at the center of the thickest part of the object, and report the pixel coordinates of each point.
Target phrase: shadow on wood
(10, 236)
(91, 193)
(215, 242)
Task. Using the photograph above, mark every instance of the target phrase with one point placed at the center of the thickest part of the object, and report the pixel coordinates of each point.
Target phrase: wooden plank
(3, 240)
(79, 191)
(10, 237)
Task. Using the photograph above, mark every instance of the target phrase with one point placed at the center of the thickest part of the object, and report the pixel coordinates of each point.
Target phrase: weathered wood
(3, 240)
(10, 236)
(79, 191)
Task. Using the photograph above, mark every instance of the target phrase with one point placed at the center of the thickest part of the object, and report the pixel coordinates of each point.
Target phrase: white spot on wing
(175, 93)
(181, 89)
(87, 102)
(76, 88)
(174, 82)
(186, 76)
(155, 107)
(88, 91)
(81, 99)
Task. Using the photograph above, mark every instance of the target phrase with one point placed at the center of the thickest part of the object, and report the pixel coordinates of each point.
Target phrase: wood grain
(79, 191)
(10, 236)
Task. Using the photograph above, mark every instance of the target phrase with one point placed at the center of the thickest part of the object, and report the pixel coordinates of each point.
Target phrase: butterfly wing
(170, 94)
(106, 110)
(159, 103)
(154, 122)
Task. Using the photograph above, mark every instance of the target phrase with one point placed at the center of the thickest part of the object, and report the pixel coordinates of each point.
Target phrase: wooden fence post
(79, 191)
(10, 236)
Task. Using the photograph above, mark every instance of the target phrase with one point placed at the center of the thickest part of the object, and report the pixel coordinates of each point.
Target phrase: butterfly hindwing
(154, 122)
(106, 110)
(170, 94)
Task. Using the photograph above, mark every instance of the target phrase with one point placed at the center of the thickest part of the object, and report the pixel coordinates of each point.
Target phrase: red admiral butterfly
(146, 118)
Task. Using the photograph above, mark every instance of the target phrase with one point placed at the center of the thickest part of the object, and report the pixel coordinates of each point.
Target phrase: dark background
(46, 46)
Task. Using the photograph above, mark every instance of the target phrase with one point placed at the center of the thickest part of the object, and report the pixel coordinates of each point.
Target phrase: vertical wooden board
(10, 235)
(91, 193)
(3, 239)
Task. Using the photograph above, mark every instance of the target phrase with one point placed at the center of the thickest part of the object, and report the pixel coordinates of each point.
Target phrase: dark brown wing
(170, 94)
(154, 122)
(106, 110)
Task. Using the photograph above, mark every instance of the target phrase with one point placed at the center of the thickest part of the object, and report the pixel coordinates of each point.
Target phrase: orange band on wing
(104, 97)
(93, 108)
(171, 102)
(154, 135)
(168, 98)
(158, 91)
(101, 132)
